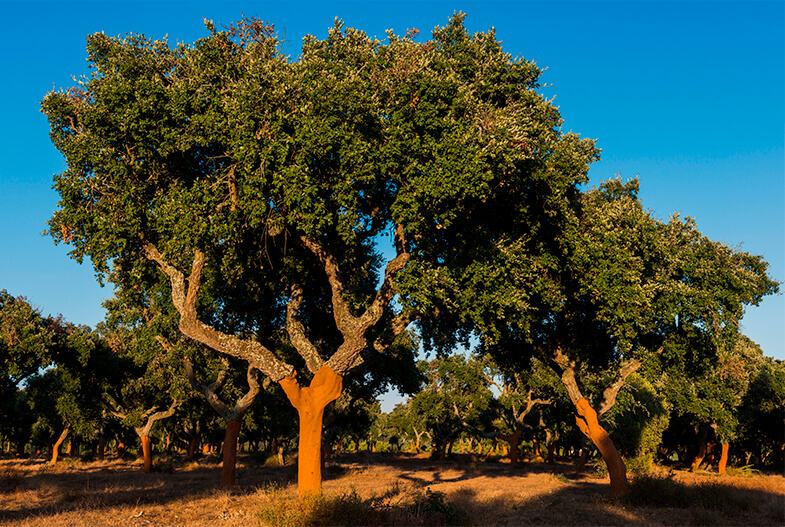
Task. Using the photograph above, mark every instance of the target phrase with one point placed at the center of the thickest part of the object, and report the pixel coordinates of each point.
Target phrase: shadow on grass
(45, 492)
(73, 486)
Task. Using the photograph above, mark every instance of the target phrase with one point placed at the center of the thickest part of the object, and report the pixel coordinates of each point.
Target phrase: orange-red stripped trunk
(147, 453)
(723, 459)
(310, 402)
(230, 452)
(56, 447)
(590, 426)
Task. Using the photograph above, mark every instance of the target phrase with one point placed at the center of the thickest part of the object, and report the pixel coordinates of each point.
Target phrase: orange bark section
(147, 454)
(310, 402)
(723, 459)
(230, 452)
(56, 448)
(588, 423)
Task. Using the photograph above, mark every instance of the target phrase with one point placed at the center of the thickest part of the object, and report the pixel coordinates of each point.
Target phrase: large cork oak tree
(302, 212)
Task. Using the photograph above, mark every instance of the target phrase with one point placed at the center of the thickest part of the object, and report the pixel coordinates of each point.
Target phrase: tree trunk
(590, 426)
(101, 450)
(696, 462)
(192, 442)
(147, 453)
(230, 453)
(56, 447)
(281, 460)
(514, 440)
(310, 402)
(723, 459)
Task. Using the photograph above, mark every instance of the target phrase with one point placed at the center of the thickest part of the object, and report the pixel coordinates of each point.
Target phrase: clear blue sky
(689, 96)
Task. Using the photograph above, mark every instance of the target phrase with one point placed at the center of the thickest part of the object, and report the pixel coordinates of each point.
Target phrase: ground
(116, 492)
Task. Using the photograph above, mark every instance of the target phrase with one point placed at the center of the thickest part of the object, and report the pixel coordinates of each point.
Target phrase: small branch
(297, 336)
(610, 393)
(155, 417)
(568, 376)
(530, 404)
(397, 326)
(208, 391)
(253, 390)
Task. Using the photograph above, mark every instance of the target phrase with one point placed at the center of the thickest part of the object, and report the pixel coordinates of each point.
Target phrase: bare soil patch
(117, 493)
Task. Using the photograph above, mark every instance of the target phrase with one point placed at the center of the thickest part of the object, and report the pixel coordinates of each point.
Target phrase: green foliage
(637, 421)
(762, 415)
(27, 339)
(456, 400)
(227, 146)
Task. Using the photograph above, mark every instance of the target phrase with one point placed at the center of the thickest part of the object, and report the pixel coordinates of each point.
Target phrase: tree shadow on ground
(105, 485)
(44, 492)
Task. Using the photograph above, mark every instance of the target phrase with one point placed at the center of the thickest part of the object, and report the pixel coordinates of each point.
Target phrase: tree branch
(530, 404)
(354, 328)
(184, 301)
(397, 326)
(207, 390)
(152, 418)
(297, 337)
(568, 375)
(610, 393)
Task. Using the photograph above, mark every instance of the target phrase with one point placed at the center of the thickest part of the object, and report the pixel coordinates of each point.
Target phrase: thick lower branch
(184, 301)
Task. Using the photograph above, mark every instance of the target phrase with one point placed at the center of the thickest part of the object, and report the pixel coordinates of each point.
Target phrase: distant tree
(762, 416)
(230, 399)
(27, 342)
(86, 369)
(521, 392)
(152, 386)
(455, 401)
(705, 387)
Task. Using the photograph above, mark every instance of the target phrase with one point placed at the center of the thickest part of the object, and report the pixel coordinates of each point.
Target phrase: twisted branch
(184, 300)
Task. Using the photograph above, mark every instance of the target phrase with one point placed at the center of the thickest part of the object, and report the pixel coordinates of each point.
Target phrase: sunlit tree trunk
(310, 403)
(56, 447)
(723, 458)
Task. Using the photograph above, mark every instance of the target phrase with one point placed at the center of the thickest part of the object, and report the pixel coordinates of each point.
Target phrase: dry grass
(377, 490)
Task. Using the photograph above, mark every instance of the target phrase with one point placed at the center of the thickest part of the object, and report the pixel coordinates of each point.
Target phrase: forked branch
(184, 300)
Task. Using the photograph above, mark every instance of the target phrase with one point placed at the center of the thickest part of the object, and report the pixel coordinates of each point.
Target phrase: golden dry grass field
(377, 489)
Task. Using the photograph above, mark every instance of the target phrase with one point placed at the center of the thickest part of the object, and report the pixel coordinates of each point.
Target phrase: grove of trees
(286, 237)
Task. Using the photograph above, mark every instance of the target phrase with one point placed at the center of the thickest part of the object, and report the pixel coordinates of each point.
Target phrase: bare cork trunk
(230, 452)
(310, 403)
(723, 459)
(56, 447)
(590, 426)
(147, 453)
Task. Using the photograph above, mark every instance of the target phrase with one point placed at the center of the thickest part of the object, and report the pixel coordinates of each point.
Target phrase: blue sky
(688, 96)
